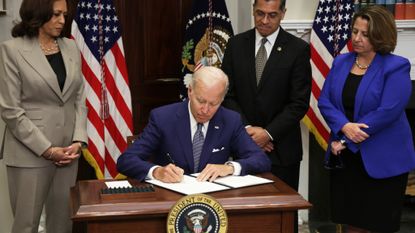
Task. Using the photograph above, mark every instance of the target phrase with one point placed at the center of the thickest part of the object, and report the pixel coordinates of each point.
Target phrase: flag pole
(104, 110)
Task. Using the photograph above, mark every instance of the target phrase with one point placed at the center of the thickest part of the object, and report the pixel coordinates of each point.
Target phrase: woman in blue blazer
(371, 150)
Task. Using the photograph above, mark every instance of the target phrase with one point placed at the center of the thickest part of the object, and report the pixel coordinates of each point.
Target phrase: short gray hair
(210, 75)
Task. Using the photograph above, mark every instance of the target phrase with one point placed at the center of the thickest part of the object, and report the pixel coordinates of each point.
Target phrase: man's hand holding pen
(169, 174)
(174, 174)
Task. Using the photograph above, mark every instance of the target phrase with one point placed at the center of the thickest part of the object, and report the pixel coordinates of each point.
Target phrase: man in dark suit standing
(197, 135)
(270, 83)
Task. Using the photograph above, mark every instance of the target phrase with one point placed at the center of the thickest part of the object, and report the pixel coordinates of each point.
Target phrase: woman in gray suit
(42, 102)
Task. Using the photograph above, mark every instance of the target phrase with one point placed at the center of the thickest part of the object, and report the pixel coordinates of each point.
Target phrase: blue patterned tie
(198, 140)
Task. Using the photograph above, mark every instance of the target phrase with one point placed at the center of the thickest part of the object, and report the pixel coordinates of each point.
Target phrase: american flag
(97, 33)
(329, 37)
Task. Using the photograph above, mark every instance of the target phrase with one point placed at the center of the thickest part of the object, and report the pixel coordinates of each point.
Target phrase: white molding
(299, 25)
(302, 25)
(405, 24)
(406, 36)
(299, 28)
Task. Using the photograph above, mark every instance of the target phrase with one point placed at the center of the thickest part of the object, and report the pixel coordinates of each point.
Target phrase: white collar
(271, 38)
(193, 122)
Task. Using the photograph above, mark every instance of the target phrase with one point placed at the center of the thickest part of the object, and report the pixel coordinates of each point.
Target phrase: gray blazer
(36, 112)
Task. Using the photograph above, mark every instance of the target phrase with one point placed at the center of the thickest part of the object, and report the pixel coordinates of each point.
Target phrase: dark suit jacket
(168, 131)
(281, 99)
(380, 103)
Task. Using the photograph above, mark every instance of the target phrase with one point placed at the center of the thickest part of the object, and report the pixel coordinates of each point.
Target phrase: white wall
(405, 46)
(301, 9)
(240, 12)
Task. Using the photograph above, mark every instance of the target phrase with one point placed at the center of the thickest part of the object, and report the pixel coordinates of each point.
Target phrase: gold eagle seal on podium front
(198, 213)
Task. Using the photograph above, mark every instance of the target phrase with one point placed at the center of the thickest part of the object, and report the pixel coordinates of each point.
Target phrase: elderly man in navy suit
(197, 135)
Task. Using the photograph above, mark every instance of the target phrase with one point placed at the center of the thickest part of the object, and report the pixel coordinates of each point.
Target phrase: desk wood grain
(262, 208)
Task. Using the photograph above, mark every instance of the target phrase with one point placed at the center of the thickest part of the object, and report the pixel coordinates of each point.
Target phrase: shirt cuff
(236, 168)
(269, 135)
(150, 173)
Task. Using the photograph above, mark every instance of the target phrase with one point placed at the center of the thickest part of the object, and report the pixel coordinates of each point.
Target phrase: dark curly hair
(34, 13)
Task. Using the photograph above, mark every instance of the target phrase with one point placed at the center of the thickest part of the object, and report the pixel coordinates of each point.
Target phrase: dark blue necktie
(198, 140)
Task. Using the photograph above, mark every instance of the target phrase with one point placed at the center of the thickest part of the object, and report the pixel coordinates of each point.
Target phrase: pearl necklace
(49, 50)
(362, 67)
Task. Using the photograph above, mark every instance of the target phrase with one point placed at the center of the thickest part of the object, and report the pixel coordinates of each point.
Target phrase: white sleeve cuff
(269, 135)
(236, 168)
(150, 172)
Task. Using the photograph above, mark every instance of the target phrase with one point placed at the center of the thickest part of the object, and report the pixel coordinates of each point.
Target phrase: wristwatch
(230, 164)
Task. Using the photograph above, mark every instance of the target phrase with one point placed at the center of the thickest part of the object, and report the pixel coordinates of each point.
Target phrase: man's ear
(189, 90)
(283, 13)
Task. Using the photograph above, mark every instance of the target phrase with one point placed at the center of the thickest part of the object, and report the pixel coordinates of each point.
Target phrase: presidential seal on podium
(198, 213)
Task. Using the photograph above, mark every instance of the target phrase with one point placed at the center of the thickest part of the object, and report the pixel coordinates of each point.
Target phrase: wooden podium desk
(263, 208)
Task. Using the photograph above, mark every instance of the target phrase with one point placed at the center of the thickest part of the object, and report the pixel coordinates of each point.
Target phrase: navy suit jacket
(380, 103)
(168, 131)
(282, 97)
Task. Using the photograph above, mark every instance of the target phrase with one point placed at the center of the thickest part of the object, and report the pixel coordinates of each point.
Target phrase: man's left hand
(259, 135)
(268, 147)
(213, 171)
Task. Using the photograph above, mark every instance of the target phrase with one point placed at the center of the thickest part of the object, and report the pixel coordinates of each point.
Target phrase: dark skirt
(365, 202)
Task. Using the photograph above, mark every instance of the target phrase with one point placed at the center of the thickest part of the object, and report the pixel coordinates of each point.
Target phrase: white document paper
(118, 184)
(242, 181)
(190, 185)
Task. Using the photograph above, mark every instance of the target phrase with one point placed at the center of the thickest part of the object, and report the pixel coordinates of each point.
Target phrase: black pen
(170, 158)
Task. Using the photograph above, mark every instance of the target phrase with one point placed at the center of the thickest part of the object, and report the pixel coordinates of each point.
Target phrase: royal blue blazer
(168, 132)
(381, 98)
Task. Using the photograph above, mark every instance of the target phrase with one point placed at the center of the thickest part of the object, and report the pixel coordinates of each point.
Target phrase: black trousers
(289, 174)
